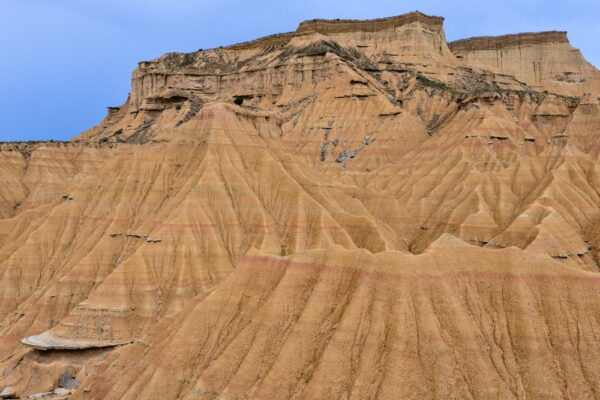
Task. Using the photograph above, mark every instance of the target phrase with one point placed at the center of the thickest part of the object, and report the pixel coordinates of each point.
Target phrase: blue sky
(63, 61)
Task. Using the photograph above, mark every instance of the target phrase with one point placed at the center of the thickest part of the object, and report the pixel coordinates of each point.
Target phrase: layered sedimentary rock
(545, 60)
(346, 211)
(412, 34)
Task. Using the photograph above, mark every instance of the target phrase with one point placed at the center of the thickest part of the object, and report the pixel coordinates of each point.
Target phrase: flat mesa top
(512, 40)
(337, 26)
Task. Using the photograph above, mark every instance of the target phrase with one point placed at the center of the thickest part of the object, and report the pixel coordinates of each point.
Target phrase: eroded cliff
(545, 60)
(346, 211)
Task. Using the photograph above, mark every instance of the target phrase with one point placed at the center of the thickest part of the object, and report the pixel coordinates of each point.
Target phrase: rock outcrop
(347, 211)
(411, 34)
(545, 60)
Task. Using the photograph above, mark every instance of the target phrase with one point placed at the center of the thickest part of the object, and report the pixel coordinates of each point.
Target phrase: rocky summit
(354, 210)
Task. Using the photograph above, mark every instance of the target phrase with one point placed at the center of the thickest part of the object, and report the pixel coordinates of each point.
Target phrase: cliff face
(544, 60)
(412, 34)
(279, 72)
(346, 211)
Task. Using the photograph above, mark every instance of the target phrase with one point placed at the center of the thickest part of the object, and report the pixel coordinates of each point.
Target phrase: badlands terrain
(354, 210)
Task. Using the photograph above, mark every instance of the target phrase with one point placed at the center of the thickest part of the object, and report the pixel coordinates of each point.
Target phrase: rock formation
(545, 60)
(353, 210)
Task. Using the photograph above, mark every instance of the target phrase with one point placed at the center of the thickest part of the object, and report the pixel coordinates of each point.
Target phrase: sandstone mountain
(354, 210)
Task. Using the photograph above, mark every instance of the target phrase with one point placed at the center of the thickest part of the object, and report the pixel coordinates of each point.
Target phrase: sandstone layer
(354, 210)
(545, 60)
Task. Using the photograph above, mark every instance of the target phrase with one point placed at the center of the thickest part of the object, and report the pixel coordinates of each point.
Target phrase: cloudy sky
(63, 61)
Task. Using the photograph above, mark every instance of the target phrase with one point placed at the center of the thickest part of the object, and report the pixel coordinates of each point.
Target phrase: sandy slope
(349, 211)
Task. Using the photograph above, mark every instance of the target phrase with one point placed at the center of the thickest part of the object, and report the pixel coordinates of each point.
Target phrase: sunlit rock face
(353, 210)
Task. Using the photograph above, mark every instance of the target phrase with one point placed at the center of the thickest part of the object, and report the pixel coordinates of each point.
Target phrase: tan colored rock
(544, 60)
(61, 392)
(8, 392)
(346, 211)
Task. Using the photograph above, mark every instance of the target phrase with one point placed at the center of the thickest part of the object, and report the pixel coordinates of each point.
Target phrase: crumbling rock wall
(349, 211)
